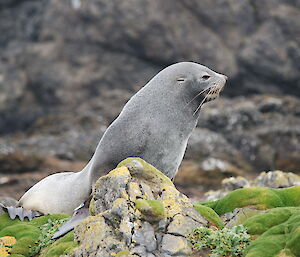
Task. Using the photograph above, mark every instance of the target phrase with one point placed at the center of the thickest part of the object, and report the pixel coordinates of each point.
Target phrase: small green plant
(224, 242)
(47, 231)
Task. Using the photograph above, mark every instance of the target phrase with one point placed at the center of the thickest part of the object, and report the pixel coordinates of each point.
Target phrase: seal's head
(196, 83)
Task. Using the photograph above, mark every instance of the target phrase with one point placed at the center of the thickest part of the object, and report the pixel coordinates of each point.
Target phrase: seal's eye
(205, 77)
(180, 79)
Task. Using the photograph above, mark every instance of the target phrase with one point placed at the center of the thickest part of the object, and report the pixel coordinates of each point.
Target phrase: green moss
(62, 246)
(92, 207)
(260, 223)
(150, 207)
(139, 168)
(209, 214)
(27, 233)
(257, 197)
(280, 233)
(6, 221)
(278, 229)
(44, 219)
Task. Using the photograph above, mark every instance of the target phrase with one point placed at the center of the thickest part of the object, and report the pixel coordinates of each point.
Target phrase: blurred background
(67, 67)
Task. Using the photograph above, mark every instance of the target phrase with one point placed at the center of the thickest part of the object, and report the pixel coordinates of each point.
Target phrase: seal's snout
(223, 78)
(214, 91)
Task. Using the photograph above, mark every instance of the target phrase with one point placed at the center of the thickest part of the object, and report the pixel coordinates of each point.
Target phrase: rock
(239, 216)
(137, 209)
(6, 201)
(267, 139)
(209, 158)
(232, 183)
(144, 235)
(17, 163)
(277, 179)
(175, 246)
(271, 179)
(181, 226)
(45, 68)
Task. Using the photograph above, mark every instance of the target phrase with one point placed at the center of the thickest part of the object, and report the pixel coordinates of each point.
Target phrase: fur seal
(155, 125)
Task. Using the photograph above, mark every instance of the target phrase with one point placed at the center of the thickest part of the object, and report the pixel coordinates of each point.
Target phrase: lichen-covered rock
(138, 212)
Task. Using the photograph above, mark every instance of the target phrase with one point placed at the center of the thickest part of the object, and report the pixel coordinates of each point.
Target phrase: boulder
(138, 211)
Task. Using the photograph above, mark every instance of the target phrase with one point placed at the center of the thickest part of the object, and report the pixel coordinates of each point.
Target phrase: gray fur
(154, 125)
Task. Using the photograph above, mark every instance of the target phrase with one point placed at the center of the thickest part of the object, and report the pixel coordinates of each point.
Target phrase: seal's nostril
(225, 77)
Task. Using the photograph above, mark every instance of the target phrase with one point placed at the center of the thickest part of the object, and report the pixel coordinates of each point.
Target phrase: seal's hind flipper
(14, 211)
(79, 215)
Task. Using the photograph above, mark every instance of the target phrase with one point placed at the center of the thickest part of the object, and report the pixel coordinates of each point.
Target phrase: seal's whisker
(197, 95)
(202, 102)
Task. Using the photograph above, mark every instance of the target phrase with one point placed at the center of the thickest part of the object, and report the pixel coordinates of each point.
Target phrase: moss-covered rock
(279, 231)
(62, 246)
(275, 230)
(29, 235)
(256, 197)
(209, 214)
(152, 208)
(139, 168)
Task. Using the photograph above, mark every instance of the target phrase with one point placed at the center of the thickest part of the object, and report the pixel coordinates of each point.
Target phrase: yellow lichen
(119, 171)
(5, 245)
(7, 241)
(4, 251)
(125, 253)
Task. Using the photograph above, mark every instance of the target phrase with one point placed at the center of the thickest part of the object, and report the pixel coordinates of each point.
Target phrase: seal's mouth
(212, 93)
(209, 94)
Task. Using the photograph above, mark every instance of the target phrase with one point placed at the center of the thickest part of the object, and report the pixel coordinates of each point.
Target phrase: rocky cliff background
(68, 66)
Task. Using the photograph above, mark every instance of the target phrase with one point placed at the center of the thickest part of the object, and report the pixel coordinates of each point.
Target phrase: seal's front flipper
(79, 215)
(14, 211)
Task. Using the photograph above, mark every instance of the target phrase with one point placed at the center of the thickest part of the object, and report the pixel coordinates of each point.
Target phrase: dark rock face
(57, 55)
(264, 129)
